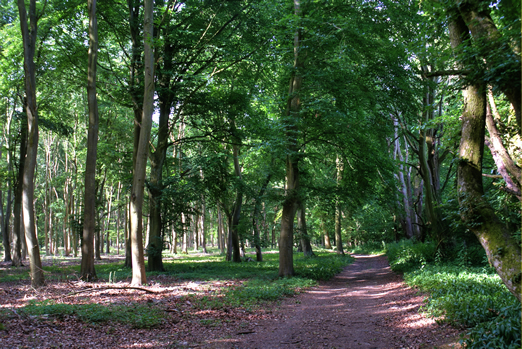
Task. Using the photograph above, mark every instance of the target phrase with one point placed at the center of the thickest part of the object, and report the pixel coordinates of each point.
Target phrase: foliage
(371, 248)
(257, 291)
(406, 255)
(322, 267)
(138, 316)
(473, 297)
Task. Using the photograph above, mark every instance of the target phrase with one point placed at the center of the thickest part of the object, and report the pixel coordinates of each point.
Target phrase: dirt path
(365, 306)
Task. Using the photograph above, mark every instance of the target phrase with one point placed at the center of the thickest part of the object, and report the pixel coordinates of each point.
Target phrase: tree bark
(405, 187)
(88, 272)
(255, 217)
(157, 159)
(29, 41)
(221, 232)
(327, 243)
(503, 251)
(138, 184)
(477, 18)
(506, 167)
(290, 204)
(4, 215)
(18, 233)
(236, 211)
(430, 173)
(303, 232)
(338, 212)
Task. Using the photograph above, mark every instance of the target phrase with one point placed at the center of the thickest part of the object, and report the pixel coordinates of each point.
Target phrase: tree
(503, 251)
(88, 271)
(29, 34)
(138, 183)
(291, 200)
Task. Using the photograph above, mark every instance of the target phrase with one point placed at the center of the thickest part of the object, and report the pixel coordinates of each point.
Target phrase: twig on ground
(94, 289)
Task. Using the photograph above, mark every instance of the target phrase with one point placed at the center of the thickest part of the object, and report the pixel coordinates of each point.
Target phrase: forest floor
(365, 306)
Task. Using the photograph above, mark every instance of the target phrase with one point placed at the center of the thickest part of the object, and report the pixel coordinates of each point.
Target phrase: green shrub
(502, 331)
(406, 255)
(371, 248)
(473, 297)
(322, 267)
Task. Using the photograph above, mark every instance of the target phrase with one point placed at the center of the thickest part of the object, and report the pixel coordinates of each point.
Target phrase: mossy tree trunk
(503, 251)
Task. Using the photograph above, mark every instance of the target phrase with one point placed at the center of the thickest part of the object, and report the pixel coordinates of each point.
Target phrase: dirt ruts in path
(365, 306)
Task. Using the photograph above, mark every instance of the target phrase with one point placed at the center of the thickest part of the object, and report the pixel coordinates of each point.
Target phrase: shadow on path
(365, 306)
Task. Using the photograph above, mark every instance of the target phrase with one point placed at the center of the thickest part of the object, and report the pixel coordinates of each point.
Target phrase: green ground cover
(463, 291)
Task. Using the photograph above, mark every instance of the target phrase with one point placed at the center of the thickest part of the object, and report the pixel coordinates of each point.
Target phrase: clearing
(365, 306)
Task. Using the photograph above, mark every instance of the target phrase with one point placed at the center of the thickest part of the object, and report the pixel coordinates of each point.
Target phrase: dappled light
(260, 174)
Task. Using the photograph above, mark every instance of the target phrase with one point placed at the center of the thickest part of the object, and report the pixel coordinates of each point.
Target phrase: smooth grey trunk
(506, 167)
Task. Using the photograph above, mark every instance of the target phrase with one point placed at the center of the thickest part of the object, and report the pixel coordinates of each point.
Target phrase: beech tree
(503, 251)
(88, 271)
(29, 35)
(138, 183)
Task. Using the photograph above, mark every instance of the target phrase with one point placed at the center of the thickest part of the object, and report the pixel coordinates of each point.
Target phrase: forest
(264, 141)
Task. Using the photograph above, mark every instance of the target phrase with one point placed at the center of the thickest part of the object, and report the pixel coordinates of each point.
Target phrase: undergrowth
(460, 294)
(406, 255)
(370, 248)
(138, 316)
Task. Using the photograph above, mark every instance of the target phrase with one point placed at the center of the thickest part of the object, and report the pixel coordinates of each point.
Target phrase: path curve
(365, 306)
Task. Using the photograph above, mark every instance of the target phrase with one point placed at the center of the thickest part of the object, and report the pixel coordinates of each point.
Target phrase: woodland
(278, 134)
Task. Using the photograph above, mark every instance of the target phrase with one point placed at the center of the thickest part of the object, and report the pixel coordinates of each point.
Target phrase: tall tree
(503, 251)
(138, 183)
(29, 34)
(88, 271)
(290, 204)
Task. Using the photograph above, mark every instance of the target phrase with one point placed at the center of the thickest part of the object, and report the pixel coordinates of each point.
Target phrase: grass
(138, 316)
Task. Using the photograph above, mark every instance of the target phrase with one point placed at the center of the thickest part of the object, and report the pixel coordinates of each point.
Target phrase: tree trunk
(138, 261)
(484, 32)
(505, 165)
(128, 252)
(503, 251)
(326, 236)
(29, 40)
(255, 217)
(233, 227)
(202, 226)
(88, 271)
(405, 190)
(5, 227)
(221, 232)
(427, 172)
(338, 212)
(290, 205)
(118, 218)
(184, 244)
(303, 232)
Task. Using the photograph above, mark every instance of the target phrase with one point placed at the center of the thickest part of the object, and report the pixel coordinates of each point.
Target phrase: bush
(372, 248)
(472, 297)
(406, 255)
(322, 267)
